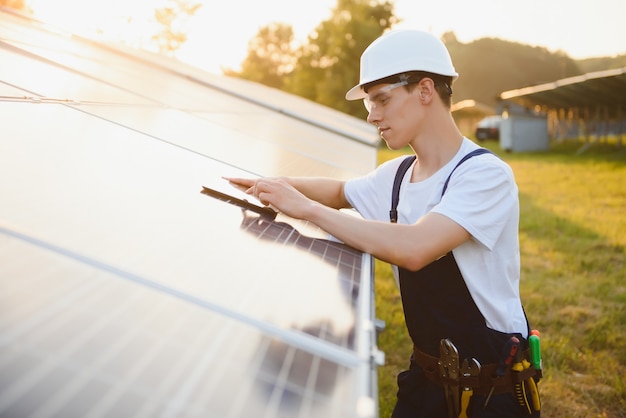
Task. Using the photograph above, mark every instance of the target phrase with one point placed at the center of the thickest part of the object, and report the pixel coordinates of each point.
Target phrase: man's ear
(426, 89)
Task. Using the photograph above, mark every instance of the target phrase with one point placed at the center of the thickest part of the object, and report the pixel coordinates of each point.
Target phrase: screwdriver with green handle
(534, 343)
(535, 349)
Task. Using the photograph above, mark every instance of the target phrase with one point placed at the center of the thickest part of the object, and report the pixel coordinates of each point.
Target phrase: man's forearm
(410, 246)
(328, 192)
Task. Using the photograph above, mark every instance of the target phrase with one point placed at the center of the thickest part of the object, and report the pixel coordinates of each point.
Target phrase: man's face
(393, 110)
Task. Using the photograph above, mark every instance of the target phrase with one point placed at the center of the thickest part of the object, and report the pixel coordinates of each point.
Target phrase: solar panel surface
(124, 291)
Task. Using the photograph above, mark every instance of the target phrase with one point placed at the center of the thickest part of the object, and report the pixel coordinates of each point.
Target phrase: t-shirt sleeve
(480, 197)
(370, 195)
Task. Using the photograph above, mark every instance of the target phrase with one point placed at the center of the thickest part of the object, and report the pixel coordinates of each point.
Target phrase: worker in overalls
(447, 220)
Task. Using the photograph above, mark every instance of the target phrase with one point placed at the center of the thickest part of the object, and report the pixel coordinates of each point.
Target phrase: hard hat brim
(356, 93)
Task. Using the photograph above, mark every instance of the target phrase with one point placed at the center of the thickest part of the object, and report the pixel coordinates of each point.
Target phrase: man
(454, 245)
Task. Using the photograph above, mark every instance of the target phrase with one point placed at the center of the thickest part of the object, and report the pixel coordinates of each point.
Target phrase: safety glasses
(381, 96)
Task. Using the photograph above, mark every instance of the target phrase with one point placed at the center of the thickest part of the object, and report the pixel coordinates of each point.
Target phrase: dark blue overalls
(438, 305)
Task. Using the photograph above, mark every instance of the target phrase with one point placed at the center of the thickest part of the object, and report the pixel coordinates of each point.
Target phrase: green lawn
(573, 240)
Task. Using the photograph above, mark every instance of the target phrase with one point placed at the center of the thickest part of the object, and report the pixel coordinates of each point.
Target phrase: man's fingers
(245, 185)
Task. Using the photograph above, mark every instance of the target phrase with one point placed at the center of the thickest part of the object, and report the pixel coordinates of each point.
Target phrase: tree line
(326, 65)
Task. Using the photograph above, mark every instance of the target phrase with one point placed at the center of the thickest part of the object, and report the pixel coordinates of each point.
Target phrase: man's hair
(443, 84)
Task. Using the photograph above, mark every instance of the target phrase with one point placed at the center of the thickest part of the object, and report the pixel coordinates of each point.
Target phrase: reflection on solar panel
(124, 291)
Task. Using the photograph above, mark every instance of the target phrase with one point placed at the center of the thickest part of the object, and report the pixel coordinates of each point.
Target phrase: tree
(328, 64)
(270, 56)
(171, 17)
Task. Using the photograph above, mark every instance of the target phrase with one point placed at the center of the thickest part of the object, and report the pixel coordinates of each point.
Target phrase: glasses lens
(367, 104)
(371, 103)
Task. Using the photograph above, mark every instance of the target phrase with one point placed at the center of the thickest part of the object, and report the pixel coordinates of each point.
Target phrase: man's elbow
(414, 262)
(338, 198)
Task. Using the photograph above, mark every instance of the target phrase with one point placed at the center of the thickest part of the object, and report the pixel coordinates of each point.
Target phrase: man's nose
(373, 116)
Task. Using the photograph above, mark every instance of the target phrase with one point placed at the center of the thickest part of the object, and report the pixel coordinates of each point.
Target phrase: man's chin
(392, 146)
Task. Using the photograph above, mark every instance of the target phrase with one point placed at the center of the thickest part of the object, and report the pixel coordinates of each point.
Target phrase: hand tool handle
(520, 390)
(533, 393)
(529, 386)
(465, 398)
(510, 350)
(535, 351)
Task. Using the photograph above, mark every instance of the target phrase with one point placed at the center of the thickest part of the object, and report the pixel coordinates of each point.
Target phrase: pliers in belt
(470, 368)
(449, 369)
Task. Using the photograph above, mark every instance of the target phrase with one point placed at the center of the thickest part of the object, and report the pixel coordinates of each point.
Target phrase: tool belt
(481, 384)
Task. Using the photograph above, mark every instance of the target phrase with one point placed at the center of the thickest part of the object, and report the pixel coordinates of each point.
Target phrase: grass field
(573, 285)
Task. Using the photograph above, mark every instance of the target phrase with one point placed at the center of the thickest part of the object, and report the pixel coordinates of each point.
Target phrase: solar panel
(124, 290)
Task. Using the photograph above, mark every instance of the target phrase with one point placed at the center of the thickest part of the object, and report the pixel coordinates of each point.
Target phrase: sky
(218, 34)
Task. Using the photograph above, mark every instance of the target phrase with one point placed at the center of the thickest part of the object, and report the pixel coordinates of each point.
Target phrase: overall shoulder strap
(466, 157)
(404, 166)
(395, 193)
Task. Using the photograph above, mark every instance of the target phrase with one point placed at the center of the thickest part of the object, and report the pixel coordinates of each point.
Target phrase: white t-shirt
(482, 197)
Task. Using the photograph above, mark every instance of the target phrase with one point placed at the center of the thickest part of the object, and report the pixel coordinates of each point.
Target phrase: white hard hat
(401, 51)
